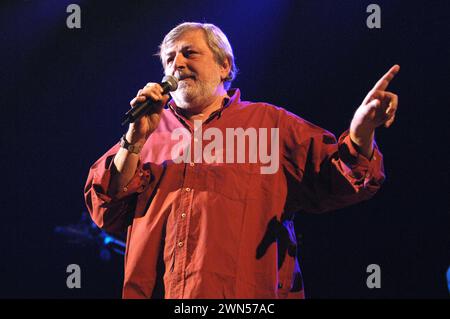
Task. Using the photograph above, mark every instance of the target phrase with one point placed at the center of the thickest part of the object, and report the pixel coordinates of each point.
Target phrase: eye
(188, 53)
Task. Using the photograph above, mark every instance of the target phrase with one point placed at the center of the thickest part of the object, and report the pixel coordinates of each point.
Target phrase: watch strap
(132, 148)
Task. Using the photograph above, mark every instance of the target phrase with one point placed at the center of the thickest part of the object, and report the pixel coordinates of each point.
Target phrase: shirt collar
(232, 96)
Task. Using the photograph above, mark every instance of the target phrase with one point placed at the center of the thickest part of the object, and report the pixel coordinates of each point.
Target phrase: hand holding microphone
(145, 114)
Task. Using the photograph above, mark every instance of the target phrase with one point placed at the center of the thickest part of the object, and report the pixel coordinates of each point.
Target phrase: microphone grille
(172, 81)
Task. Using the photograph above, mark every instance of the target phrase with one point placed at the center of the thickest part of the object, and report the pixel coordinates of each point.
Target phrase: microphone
(169, 84)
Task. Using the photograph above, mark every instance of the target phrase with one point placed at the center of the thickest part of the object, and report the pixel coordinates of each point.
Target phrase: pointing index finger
(383, 83)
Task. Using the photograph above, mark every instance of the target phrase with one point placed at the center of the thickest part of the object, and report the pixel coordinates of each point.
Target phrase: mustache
(184, 75)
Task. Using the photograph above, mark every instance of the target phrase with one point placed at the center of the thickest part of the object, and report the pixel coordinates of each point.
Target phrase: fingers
(380, 106)
(383, 83)
(389, 122)
(383, 106)
(151, 91)
(391, 110)
(374, 104)
(393, 102)
(384, 96)
(137, 99)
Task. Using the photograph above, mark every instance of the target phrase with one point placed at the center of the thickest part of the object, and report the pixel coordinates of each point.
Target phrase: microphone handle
(139, 110)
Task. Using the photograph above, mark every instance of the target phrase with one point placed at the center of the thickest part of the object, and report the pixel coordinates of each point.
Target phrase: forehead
(191, 38)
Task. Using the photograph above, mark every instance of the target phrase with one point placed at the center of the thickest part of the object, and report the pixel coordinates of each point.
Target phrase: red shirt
(225, 230)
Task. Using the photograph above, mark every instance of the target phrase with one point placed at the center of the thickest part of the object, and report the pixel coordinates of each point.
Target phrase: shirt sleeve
(113, 213)
(323, 173)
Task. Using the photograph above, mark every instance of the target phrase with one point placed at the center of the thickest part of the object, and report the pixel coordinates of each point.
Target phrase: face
(200, 77)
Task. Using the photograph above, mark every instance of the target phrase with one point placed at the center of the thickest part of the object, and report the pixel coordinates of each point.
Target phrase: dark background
(63, 93)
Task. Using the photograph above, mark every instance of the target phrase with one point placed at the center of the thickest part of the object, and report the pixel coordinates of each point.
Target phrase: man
(207, 187)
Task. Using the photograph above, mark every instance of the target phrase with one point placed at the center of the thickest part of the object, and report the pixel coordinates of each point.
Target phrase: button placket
(186, 194)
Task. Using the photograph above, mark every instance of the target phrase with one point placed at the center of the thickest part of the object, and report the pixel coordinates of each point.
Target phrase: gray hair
(216, 40)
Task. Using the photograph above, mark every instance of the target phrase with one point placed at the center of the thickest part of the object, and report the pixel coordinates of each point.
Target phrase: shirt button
(183, 215)
(180, 244)
(187, 189)
(192, 164)
(125, 189)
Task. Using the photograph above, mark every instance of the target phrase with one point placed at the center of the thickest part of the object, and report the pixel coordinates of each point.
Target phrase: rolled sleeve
(102, 177)
(113, 212)
(367, 172)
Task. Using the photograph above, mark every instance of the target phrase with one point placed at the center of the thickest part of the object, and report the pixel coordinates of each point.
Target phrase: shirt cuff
(349, 154)
(137, 184)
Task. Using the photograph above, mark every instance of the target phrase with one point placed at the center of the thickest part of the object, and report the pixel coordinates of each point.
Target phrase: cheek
(215, 74)
(207, 70)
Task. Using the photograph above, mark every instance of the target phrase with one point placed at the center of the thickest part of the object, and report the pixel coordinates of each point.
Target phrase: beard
(193, 93)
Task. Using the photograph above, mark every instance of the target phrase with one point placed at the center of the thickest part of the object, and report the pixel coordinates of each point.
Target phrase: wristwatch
(133, 148)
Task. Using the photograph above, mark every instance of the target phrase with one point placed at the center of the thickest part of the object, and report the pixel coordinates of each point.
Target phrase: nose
(179, 63)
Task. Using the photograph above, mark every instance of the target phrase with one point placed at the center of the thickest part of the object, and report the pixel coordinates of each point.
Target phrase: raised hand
(378, 108)
(141, 129)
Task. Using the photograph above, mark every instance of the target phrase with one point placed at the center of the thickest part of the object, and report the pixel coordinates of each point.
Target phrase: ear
(225, 69)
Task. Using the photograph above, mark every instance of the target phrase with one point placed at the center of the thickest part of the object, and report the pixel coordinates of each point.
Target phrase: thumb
(159, 105)
(165, 99)
(374, 103)
(162, 103)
